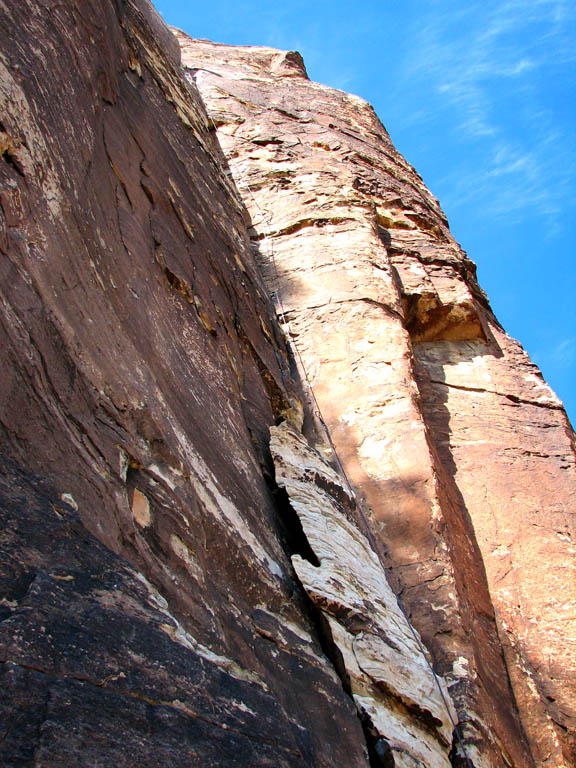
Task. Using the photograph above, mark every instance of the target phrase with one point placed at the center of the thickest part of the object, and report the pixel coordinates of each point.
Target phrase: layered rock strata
(162, 600)
(384, 663)
(142, 365)
(464, 456)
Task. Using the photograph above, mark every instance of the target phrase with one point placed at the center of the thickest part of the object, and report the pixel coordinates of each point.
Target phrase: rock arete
(251, 393)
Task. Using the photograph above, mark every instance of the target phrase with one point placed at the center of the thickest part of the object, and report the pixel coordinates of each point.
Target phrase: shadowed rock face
(464, 456)
(95, 668)
(161, 603)
(141, 369)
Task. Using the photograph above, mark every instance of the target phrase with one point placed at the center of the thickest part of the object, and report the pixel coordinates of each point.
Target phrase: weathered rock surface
(96, 670)
(162, 602)
(463, 454)
(141, 369)
(387, 669)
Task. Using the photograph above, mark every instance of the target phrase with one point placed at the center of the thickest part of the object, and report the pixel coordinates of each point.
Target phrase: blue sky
(480, 96)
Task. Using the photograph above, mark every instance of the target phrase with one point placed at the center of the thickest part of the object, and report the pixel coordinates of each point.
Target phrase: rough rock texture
(97, 671)
(463, 455)
(162, 601)
(141, 368)
(387, 670)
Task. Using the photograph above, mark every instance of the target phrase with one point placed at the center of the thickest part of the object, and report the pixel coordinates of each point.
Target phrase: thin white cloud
(481, 67)
(564, 354)
(561, 355)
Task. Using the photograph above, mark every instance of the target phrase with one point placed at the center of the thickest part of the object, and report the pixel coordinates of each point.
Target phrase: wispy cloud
(485, 65)
(559, 357)
(463, 53)
(564, 353)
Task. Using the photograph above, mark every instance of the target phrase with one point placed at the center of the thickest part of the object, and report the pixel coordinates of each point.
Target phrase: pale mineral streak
(389, 675)
(160, 602)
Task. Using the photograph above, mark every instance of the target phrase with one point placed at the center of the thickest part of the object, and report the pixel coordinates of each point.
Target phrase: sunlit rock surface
(388, 670)
(464, 456)
(162, 601)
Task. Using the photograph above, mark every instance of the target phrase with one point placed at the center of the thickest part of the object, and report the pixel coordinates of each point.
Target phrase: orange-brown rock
(463, 454)
(141, 367)
(186, 577)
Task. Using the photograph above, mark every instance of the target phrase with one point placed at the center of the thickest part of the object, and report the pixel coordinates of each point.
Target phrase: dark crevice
(179, 285)
(456, 756)
(276, 395)
(10, 159)
(303, 223)
(295, 542)
(290, 314)
(424, 716)
(146, 188)
(15, 593)
(8, 150)
(509, 396)
(380, 754)
(266, 142)
(292, 534)
(182, 287)
(329, 647)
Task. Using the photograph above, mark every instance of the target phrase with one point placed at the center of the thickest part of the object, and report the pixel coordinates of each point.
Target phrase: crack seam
(513, 398)
(367, 299)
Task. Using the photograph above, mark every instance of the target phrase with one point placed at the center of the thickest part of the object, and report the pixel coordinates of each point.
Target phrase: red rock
(464, 456)
(150, 613)
(140, 359)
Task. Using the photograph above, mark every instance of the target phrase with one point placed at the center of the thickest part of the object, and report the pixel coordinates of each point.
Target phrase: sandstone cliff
(200, 488)
(465, 457)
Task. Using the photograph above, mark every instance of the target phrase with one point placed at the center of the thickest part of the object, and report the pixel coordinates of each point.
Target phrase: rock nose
(289, 64)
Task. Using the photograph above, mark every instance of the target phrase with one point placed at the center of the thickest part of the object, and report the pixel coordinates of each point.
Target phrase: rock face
(171, 592)
(142, 366)
(463, 455)
(386, 669)
(96, 669)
